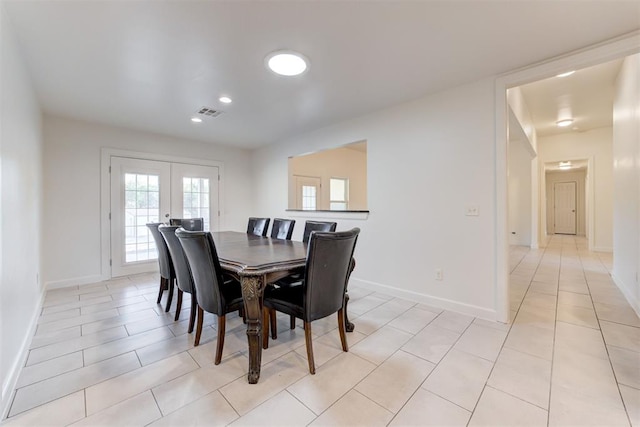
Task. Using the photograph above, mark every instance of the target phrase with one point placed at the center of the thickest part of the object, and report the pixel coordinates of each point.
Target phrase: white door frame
(105, 194)
(620, 47)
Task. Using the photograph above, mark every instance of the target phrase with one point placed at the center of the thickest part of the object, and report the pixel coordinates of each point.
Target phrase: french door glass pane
(142, 205)
(195, 196)
(309, 197)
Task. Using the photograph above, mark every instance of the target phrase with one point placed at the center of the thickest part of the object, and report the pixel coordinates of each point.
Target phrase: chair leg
(178, 305)
(199, 327)
(342, 329)
(220, 345)
(274, 325)
(192, 315)
(162, 286)
(265, 328)
(307, 338)
(170, 282)
(292, 322)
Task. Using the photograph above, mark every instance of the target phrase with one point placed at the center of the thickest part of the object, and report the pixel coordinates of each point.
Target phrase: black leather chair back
(310, 226)
(190, 224)
(282, 228)
(258, 226)
(180, 265)
(326, 272)
(164, 258)
(204, 264)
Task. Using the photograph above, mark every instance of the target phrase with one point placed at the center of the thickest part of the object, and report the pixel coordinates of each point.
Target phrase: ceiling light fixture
(568, 73)
(196, 119)
(564, 165)
(564, 123)
(286, 63)
(225, 99)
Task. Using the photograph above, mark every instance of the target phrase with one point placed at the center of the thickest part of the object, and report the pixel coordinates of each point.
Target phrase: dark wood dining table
(258, 261)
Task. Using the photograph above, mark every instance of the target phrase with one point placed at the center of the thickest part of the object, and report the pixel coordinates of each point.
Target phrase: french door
(144, 191)
(307, 193)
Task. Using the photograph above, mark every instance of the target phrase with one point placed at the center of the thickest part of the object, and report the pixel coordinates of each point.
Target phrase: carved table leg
(251, 290)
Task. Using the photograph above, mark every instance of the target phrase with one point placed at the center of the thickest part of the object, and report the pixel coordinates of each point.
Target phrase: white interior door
(564, 207)
(307, 193)
(140, 193)
(144, 191)
(194, 193)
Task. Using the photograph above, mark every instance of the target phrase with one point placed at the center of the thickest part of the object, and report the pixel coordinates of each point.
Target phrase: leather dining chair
(183, 274)
(258, 226)
(282, 228)
(323, 287)
(167, 272)
(215, 293)
(294, 279)
(190, 224)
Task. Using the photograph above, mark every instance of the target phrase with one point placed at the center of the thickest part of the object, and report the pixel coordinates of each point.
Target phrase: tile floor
(106, 354)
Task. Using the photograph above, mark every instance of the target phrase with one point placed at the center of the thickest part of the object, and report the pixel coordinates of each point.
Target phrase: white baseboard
(443, 303)
(8, 387)
(66, 283)
(635, 305)
(602, 249)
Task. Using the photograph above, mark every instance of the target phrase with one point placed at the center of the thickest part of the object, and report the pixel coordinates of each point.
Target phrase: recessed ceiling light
(286, 63)
(564, 123)
(196, 119)
(568, 73)
(225, 99)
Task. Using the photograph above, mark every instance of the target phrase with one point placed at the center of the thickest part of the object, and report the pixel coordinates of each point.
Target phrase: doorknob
(166, 215)
(572, 210)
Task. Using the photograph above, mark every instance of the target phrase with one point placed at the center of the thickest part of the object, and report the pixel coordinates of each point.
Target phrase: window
(338, 194)
(142, 205)
(195, 196)
(308, 198)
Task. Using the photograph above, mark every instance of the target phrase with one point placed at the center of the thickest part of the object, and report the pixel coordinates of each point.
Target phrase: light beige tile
(492, 324)
(432, 343)
(574, 299)
(60, 315)
(376, 318)
(378, 346)
(436, 310)
(362, 305)
(427, 409)
(574, 338)
(544, 288)
(162, 348)
(118, 320)
(391, 384)
(621, 335)
(575, 287)
(60, 348)
(459, 378)
(413, 320)
(205, 353)
(115, 390)
(481, 341)
(522, 375)
(580, 316)
(617, 314)
(190, 387)
(211, 410)
(353, 409)
(60, 412)
(631, 398)
(496, 408)
(282, 409)
(321, 390)
(75, 321)
(53, 388)
(570, 408)
(531, 340)
(274, 378)
(109, 304)
(536, 300)
(626, 364)
(328, 346)
(54, 337)
(50, 368)
(139, 410)
(125, 345)
(452, 321)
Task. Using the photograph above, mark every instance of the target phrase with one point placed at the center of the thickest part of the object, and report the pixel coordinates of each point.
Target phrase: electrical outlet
(438, 274)
(473, 211)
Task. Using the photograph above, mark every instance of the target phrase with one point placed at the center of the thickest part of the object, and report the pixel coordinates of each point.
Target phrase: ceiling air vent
(209, 112)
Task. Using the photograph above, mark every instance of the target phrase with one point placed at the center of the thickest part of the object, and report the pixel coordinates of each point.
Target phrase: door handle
(166, 215)
(572, 210)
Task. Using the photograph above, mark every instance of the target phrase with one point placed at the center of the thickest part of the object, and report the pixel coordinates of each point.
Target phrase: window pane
(153, 183)
(308, 197)
(142, 205)
(338, 189)
(129, 181)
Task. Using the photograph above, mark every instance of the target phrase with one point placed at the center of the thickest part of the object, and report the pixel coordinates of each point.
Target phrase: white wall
(71, 236)
(20, 208)
(626, 173)
(327, 164)
(428, 160)
(596, 144)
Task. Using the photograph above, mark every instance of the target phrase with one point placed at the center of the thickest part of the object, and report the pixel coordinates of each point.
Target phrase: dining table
(257, 262)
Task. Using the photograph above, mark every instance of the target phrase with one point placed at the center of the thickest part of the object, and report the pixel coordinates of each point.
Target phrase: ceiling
(150, 65)
(586, 96)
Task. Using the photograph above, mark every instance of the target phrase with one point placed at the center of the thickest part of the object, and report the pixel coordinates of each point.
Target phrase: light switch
(473, 211)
